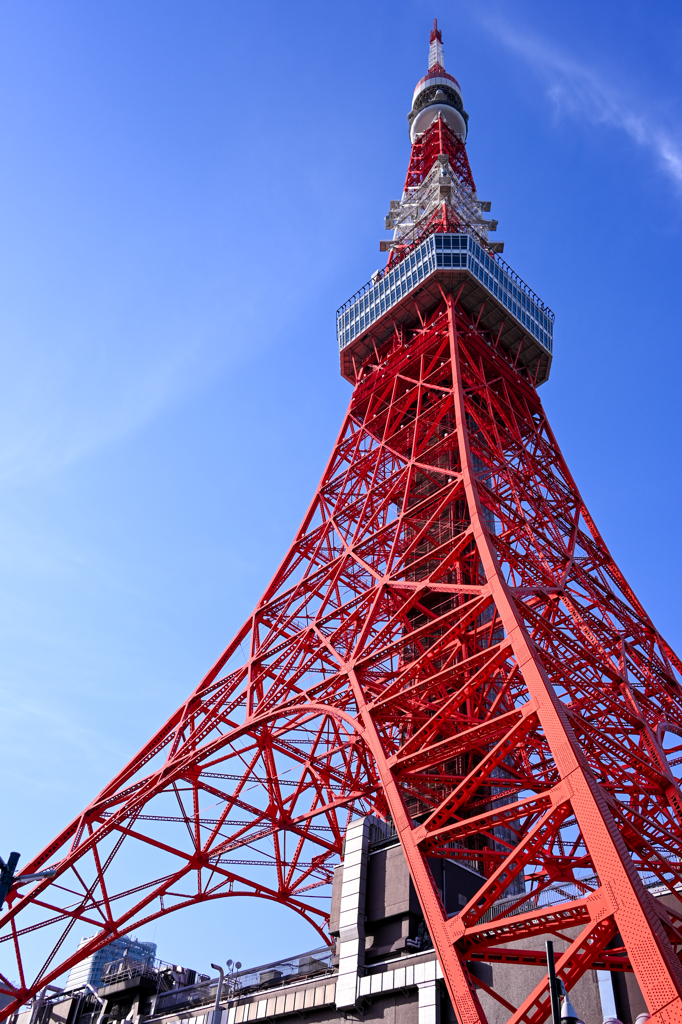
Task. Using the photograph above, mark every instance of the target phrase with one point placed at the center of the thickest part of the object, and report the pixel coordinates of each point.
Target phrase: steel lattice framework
(428, 147)
(449, 644)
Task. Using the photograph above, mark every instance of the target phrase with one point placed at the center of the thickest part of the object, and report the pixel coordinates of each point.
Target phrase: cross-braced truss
(439, 193)
(448, 643)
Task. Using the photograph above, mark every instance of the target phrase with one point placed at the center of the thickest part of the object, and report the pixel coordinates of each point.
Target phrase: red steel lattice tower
(448, 643)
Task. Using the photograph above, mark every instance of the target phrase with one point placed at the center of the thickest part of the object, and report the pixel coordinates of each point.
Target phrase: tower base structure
(392, 974)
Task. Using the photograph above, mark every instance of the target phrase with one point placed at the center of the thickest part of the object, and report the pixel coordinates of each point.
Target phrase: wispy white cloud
(579, 91)
(78, 383)
(54, 416)
(66, 395)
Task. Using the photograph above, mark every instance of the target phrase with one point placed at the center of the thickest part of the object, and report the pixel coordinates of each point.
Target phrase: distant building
(89, 971)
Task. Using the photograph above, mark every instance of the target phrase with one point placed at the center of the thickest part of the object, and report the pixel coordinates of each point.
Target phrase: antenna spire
(436, 46)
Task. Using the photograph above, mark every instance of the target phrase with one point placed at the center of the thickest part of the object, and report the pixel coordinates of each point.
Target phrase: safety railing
(439, 251)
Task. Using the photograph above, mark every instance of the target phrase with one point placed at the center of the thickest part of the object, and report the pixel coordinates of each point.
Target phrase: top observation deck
(504, 304)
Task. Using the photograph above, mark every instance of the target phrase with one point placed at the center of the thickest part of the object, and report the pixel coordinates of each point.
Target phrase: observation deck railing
(314, 963)
(436, 252)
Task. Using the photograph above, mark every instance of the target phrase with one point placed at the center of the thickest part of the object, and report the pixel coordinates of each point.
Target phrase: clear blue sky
(188, 190)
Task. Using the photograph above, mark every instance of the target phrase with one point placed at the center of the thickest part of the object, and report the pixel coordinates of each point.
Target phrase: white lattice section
(436, 53)
(418, 205)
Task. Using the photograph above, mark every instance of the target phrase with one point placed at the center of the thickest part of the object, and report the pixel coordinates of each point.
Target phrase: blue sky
(187, 193)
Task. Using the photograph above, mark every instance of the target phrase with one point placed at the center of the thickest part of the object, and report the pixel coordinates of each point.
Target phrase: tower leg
(655, 963)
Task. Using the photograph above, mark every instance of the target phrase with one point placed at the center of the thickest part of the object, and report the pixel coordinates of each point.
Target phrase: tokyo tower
(447, 645)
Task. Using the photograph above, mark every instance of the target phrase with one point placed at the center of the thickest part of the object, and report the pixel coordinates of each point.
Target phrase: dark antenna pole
(551, 974)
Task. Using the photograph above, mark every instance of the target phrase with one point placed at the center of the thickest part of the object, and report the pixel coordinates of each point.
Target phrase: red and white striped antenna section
(436, 46)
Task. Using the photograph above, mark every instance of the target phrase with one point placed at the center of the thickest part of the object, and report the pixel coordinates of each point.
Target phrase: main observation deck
(503, 303)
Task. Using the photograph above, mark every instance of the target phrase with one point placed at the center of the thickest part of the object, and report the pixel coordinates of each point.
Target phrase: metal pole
(219, 993)
(102, 1002)
(551, 974)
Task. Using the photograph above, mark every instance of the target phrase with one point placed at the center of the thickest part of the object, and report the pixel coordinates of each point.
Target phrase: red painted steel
(438, 140)
(447, 643)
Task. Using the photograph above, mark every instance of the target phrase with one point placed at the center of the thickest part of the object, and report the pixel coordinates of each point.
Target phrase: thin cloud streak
(72, 418)
(578, 91)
